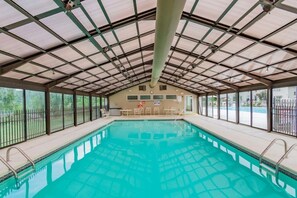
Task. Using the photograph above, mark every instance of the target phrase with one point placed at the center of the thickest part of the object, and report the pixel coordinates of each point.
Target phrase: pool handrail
(283, 157)
(9, 167)
(22, 152)
(270, 145)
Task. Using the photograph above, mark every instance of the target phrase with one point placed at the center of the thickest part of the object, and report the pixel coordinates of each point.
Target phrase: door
(189, 103)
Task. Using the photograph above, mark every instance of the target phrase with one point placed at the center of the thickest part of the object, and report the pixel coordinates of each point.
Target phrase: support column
(206, 105)
(218, 105)
(91, 107)
(237, 106)
(100, 106)
(107, 100)
(198, 105)
(63, 111)
(269, 109)
(74, 109)
(47, 112)
(25, 114)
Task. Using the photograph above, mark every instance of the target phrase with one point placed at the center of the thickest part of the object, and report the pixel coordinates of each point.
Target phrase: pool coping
(289, 172)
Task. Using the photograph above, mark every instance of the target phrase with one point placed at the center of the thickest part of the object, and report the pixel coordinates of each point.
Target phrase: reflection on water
(150, 159)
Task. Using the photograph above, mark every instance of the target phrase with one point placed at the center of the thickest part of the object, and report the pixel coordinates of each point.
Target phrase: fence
(285, 116)
(13, 128)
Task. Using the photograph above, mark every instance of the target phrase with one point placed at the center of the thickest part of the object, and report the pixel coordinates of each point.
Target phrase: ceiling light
(267, 69)
(213, 48)
(267, 5)
(70, 4)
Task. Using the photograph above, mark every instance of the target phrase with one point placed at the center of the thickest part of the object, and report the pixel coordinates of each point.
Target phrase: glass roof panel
(78, 13)
(67, 69)
(37, 80)
(236, 45)
(36, 35)
(98, 58)
(126, 32)
(143, 5)
(239, 9)
(285, 37)
(275, 57)
(37, 7)
(131, 45)
(9, 15)
(86, 47)
(211, 9)
(292, 3)
(234, 61)
(95, 12)
(83, 63)
(5, 59)
(256, 51)
(48, 60)
(186, 44)
(146, 25)
(147, 40)
(249, 17)
(289, 65)
(191, 30)
(118, 9)
(219, 56)
(67, 53)
(51, 74)
(31, 68)
(270, 22)
(13, 74)
(13, 46)
(62, 25)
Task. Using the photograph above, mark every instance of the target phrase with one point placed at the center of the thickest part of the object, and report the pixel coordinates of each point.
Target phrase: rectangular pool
(149, 159)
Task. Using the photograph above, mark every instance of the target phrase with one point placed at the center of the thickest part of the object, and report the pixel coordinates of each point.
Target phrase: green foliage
(11, 99)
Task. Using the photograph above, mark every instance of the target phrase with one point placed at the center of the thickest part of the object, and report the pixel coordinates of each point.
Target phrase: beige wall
(119, 100)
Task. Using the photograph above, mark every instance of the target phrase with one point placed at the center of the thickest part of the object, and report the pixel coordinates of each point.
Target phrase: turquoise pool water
(149, 159)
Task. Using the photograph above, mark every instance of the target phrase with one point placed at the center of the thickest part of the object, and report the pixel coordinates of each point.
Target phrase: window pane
(11, 115)
(98, 107)
(94, 107)
(215, 106)
(56, 111)
(209, 106)
(68, 110)
(203, 105)
(158, 97)
(87, 108)
(231, 107)
(259, 109)
(223, 106)
(245, 108)
(145, 97)
(35, 104)
(171, 97)
(80, 112)
(132, 97)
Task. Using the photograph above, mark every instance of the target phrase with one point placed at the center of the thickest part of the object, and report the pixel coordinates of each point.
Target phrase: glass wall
(94, 107)
(231, 107)
(87, 108)
(203, 105)
(259, 108)
(209, 106)
(35, 111)
(80, 109)
(12, 128)
(56, 112)
(245, 108)
(223, 106)
(68, 110)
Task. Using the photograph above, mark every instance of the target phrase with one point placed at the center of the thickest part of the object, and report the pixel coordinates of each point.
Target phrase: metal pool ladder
(9, 167)
(282, 158)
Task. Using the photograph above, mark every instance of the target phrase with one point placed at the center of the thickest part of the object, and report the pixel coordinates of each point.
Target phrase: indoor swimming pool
(149, 158)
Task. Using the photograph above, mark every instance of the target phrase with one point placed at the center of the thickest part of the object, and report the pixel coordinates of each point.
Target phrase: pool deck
(249, 139)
